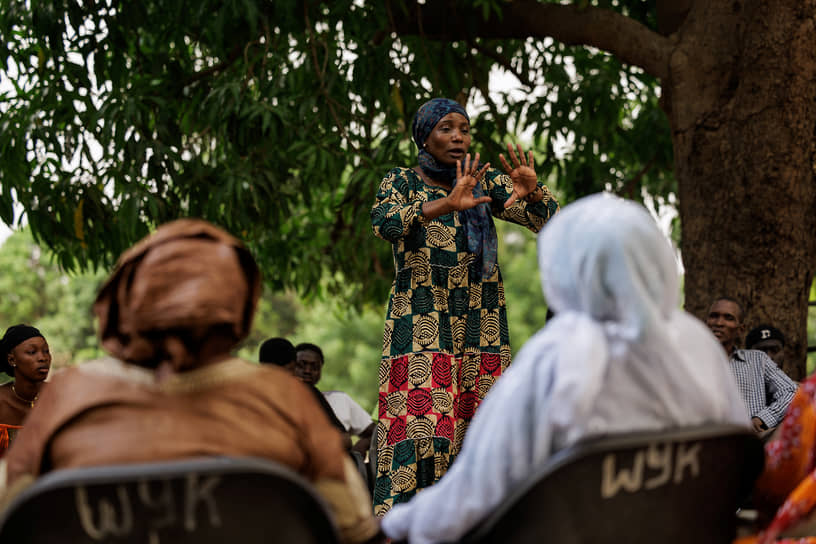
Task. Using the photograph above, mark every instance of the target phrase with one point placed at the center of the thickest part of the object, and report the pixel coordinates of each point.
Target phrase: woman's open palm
(522, 173)
(467, 176)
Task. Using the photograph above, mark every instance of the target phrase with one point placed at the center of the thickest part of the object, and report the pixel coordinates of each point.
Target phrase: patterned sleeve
(396, 211)
(533, 216)
(780, 390)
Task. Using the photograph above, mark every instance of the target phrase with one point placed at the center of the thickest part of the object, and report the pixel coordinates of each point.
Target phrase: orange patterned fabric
(755, 540)
(789, 456)
(7, 432)
(789, 477)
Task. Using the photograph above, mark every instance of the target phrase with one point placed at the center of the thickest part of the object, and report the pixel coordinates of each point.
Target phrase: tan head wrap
(175, 289)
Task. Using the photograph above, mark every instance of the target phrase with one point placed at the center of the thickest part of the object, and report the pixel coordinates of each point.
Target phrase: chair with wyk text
(202, 501)
(675, 486)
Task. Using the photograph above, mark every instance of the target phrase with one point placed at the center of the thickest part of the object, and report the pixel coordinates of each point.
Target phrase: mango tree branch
(630, 41)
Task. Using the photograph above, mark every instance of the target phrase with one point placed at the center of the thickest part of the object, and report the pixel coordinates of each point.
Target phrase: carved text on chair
(653, 466)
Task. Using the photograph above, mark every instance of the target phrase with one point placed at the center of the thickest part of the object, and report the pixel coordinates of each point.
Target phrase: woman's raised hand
(467, 176)
(522, 173)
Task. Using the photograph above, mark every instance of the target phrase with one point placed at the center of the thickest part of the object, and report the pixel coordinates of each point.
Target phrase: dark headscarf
(15, 335)
(478, 223)
(175, 289)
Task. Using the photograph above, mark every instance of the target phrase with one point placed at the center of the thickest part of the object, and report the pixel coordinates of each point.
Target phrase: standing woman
(24, 356)
(446, 339)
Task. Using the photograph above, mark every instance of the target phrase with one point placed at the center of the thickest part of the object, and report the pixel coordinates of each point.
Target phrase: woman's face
(450, 139)
(31, 359)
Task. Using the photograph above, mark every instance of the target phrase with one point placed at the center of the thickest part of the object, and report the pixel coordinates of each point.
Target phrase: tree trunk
(741, 97)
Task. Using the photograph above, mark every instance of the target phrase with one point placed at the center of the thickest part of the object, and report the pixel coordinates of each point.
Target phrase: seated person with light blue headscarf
(618, 356)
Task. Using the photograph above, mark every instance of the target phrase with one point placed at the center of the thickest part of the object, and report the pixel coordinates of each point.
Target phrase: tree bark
(742, 85)
(671, 14)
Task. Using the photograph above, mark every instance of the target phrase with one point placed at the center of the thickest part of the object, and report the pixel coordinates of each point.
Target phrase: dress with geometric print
(446, 339)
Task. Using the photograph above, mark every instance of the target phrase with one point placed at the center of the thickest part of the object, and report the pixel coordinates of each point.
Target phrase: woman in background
(24, 356)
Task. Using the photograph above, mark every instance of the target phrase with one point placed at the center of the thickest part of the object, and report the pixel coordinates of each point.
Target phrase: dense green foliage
(277, 120)
(35, 291)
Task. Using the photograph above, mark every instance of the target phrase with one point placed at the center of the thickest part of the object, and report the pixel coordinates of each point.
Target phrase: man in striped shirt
(766, 390)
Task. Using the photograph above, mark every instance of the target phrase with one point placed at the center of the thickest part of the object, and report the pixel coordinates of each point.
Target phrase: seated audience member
(278, 351)
(174, 307)
(785, 493)
(355, 419)
(768, 339)
(618, 356)
(24, 356)
(765, 389)
(281, 352)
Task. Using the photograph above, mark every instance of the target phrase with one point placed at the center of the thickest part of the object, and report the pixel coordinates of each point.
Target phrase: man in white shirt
(351, 414)
(309, 368)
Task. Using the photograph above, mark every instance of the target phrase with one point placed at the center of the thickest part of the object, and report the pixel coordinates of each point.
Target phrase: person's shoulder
(7, 412)
(400, 179)
(766, 359)
(268, 375)
(739, 354)
(754, 355)
(105, 367)
(340, 398)
(335, 393)
(262, 372)
(271, 369)
(403, 172)
(5, 390)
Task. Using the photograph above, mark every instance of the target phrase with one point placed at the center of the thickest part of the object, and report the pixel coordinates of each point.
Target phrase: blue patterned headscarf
(478, 223)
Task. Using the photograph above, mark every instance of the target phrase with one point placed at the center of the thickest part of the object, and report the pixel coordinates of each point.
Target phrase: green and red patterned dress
(446, 339)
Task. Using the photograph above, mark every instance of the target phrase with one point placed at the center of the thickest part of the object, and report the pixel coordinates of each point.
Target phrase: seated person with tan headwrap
(176, 304)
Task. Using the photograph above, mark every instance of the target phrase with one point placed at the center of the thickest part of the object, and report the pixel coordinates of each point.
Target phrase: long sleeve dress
(446, 339)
